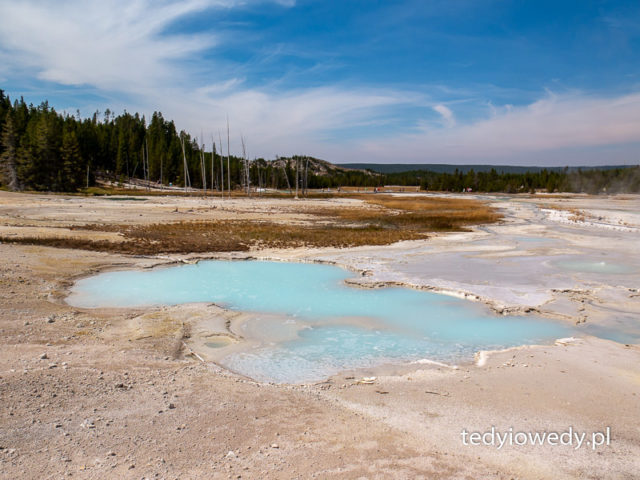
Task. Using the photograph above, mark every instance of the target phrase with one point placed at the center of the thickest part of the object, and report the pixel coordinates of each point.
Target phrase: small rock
(275, 445)
(88, 424)
(51, 319)
(111, 454)
(44, 356)
(230, 454)
(171, 406)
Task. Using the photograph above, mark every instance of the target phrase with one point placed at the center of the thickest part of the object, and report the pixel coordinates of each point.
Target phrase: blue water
(338, 327)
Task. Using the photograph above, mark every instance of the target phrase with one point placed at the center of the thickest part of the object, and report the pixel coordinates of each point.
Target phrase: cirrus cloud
(126, 51)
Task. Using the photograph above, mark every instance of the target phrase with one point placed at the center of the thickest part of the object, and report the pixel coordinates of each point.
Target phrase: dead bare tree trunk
(146, 144)
(245, 162)
(213, 161)
(228, 162)
(306, 177)
(297, 175)
(186, 168)
(286, 176)
(221, 164)
(203, 171)
(133, 175)
(144, 175)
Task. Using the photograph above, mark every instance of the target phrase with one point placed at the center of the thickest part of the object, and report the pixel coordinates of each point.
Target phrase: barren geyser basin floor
(313, 361)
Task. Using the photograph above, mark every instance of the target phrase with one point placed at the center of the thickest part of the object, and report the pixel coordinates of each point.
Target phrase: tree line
(593, 181)
(41, 149)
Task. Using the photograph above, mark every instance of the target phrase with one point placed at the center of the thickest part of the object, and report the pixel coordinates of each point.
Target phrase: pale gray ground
(99, 403)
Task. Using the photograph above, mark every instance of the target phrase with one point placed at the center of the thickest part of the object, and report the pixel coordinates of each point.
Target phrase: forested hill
(450, 168)
(41, 149)
(44, 150)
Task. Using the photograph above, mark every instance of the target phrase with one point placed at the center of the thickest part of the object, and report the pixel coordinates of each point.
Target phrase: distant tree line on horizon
(593, 181)
(41, 149)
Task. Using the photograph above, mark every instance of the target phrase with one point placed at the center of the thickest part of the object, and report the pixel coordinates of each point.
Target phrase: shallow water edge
(340, 341)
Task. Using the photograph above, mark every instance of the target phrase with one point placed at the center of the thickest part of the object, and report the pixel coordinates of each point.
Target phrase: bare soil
(97, 394)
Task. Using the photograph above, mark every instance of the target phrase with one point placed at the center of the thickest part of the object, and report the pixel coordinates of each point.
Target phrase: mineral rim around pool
(324, 326)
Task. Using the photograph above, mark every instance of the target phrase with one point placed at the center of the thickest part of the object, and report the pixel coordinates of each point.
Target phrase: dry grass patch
(418, 213)
(227, 236)
(381, 221)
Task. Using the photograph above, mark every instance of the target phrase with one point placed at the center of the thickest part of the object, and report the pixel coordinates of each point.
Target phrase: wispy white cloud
(122, 50)
(122, 47)
(283, 123)
(552, 128)
(114, 44)
(447, 115)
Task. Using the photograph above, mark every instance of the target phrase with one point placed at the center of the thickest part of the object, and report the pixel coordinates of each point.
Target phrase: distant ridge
(447, 168)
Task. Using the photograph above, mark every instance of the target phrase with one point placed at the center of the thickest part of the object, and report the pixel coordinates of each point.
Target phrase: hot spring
(330, 326)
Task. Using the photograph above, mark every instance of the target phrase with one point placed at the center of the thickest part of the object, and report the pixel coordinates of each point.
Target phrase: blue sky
(504, 82)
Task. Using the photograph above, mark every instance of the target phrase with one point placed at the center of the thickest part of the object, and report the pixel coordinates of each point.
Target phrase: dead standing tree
(245, 163)
(187, 181)
(297, 174)
(306, 176)
(256, 162)
(286, 176)
(214, 180)
(203, 171)
(228, 162)
(145, 164)
(221, 164)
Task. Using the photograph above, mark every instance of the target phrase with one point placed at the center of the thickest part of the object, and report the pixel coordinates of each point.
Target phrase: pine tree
(72, 171)
(47, 159)
(122, 156)
(9, 158)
